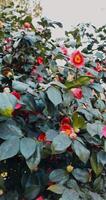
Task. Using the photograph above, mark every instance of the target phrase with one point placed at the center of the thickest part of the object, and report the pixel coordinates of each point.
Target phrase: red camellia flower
(64, 50)
(77, 59)
(42, 137)
(90, 75)
(16, 94)
(77, 92)
(7, 40)
(40, 198)
(39, 60)
(104, 131)
(98, 67)
(65, 120)
(27, 25)
(40, 79)
(34, 70)
(68, 130)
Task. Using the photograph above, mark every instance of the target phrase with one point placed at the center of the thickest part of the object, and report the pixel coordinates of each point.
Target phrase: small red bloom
(65, 120)
(40, 79)
(16, 94)
(8, 40)
(27, 25)
(64, 50)
(42, 137)
(40, 198)
(90, 75)
(34, 70)
(66, 128)
(77, 59)
(77, 92)
(98, 67)
(39, 60)
(104, 131)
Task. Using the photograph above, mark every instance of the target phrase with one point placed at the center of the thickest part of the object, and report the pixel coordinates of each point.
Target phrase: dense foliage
(52, 111)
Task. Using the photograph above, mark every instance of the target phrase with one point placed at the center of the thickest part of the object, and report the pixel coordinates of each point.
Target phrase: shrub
(52, 111)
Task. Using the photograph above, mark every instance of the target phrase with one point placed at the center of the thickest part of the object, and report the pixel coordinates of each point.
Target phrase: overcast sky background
(72, 12)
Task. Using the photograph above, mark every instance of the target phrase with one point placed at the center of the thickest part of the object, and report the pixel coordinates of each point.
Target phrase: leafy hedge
(52, 111)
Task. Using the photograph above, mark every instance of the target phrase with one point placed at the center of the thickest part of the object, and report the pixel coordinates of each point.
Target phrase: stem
(105, 145)
(76, 74)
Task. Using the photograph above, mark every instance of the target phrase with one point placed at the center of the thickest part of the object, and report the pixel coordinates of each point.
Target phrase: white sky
(72, 12)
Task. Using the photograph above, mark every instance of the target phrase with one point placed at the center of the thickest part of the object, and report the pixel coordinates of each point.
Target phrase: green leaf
(34, 161)
(7, 104)
(32, 192)
(9, 148)
(61, 142)
(98, 184)
(80, 150)
(27, 147)
(101, 157)
(58, 176)
(97, 167)
(82, 80)
(9, 129)
(73, 185)
(78, 122)
(97, 87)
(81, 175)
(51, 134)
(70, 194)
(19, 86)
(58, 189)
(94, 129)
(100, 105)
(8, 58)
(95, 196)
(54, 95)
(99, 55)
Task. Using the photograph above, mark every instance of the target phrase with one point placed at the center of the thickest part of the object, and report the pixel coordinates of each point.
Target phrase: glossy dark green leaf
(61, 142)
(94, 129)
(54, 95)
(59, 176)
(32, 192)
(9, 129)
(81, 175)
(9, 148)
(81, 151)
(27, 147)
(96, 166)
(70, 194)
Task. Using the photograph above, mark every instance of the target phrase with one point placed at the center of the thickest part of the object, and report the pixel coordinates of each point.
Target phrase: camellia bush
(52, 110)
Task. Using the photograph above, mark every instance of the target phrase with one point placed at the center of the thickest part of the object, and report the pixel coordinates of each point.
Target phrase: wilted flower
(7, 72)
